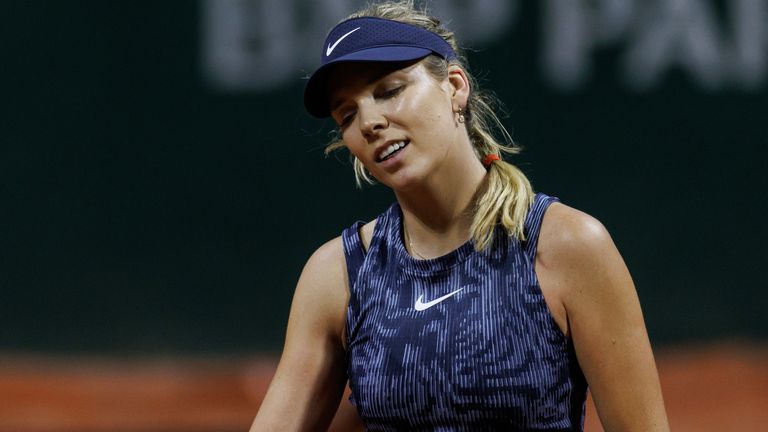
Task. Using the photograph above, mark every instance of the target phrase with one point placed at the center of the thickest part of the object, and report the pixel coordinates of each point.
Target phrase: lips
(390, 149)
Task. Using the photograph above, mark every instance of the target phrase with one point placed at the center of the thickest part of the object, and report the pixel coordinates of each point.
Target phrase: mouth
(391, 150)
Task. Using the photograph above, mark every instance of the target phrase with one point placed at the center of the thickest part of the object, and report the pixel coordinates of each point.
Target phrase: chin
(409, 175)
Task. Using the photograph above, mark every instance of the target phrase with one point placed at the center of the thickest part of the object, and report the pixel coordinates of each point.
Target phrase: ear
(459, 87)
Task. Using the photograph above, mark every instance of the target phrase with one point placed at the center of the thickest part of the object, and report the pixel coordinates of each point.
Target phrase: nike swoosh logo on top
(419, 306)
(332, 47)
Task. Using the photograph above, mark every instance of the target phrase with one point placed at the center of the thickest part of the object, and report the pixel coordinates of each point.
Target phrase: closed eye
(346, 119)
(393, 91)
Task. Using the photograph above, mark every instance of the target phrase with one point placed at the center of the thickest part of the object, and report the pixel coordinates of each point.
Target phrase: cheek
(425, 110)
(433, 124)
(353, 141)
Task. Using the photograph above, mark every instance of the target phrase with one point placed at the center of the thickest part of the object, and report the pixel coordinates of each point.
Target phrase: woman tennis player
(472, 303)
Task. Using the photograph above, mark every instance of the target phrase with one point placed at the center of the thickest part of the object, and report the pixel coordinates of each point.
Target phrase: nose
(372, 121)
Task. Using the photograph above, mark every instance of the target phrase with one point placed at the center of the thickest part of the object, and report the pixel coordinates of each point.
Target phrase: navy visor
(369, 39)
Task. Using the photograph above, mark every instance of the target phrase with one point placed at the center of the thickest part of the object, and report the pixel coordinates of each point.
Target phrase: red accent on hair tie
(490, 158)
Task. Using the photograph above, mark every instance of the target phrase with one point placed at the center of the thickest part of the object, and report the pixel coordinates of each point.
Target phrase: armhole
(548, 303)
(354, 253)
(533, 223)
(362, 241)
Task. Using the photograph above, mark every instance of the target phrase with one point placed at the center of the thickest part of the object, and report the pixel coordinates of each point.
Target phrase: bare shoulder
(324, 283)
(321, 293)
(326, 270)
(578, 254)
(569, 239)
(571, 234)
(327, 256)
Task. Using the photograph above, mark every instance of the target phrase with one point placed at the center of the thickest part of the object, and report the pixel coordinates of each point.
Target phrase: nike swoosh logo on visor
(332, 47)
(419, 306)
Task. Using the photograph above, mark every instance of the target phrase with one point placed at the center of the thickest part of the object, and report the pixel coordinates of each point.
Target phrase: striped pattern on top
(457, 343)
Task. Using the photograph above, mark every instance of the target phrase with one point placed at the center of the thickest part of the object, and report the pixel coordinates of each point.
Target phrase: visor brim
(316, 92)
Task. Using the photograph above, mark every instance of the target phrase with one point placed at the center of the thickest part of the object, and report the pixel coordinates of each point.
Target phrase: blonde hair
(508, 195)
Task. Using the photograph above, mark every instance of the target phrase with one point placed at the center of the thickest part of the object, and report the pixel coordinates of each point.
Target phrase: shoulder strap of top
(353, 251)
(533, 223)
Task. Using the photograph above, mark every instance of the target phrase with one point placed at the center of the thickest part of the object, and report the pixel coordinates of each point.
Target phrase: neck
(437, 215)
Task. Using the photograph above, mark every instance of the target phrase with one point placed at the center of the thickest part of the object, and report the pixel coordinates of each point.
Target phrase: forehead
(349, 77)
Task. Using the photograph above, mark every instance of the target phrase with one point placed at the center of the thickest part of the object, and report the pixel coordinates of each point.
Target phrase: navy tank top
(462, 342)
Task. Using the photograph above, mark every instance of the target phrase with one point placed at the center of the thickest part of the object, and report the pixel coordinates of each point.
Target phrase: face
(398, 120)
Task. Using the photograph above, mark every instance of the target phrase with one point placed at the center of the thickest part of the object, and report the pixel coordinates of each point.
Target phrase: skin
(585, 282)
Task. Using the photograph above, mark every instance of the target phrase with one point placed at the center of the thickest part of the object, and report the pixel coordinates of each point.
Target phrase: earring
(461, 115)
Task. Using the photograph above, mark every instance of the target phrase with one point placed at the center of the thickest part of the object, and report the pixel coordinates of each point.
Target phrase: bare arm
(309, 381)
(604, 319)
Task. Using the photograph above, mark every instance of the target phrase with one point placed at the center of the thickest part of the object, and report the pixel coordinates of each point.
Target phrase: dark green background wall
(146, 211)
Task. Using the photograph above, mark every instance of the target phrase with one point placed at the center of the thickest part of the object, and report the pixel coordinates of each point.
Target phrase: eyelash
(394, 91)
(387, 94)
(345, 121)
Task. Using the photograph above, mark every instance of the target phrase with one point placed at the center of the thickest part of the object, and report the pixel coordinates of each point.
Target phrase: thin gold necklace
(410, 244)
